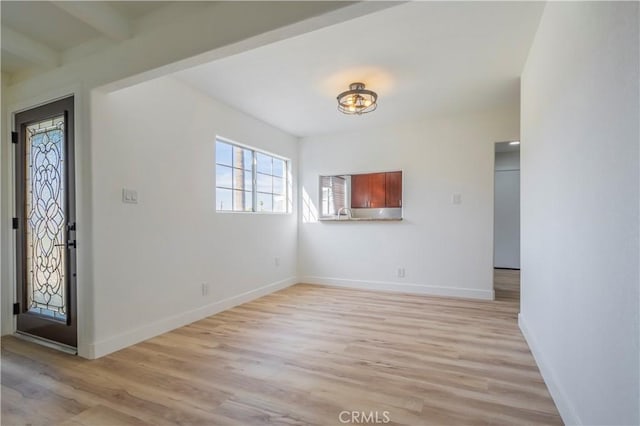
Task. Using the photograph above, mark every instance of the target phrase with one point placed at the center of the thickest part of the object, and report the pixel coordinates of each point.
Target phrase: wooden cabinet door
(394, 189)
(359, 191)
(377, 191)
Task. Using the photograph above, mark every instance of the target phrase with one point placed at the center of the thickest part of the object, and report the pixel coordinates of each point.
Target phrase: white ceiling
(44, 22)
(47, 29)
(136, 9)
(507, 147)
(423, 58)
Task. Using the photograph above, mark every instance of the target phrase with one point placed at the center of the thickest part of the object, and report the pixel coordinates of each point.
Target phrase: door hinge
(15, 223)
(16, 308)
(14, 137)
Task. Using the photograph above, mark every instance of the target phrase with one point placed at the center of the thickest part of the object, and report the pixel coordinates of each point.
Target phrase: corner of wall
(563, 403)
(148, 331)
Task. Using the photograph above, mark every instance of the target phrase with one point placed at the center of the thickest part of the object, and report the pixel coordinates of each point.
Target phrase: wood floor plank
(103, 416)
(300, 356)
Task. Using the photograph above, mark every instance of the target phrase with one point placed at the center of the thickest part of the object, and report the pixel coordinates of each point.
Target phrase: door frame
(34, 325)
(82, 170)
(493, 205)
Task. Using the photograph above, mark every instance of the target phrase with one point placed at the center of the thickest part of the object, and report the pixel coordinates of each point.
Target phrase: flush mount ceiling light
(357, 100)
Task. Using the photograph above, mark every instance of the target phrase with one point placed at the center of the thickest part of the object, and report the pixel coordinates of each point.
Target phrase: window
(333, 194)
(251, 181)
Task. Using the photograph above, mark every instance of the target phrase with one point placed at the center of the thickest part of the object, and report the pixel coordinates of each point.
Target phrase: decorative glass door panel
(46, 222)
(46, 239)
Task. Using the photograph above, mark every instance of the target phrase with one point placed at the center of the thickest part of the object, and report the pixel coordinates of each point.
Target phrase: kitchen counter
(362, 219)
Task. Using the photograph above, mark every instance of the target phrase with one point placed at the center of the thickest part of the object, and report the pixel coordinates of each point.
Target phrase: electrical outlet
(276, 261)
(205, 289)
(456, 198)
(400, 272)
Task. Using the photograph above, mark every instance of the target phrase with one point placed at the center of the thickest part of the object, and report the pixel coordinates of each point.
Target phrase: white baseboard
(411, 288)
(565, 408)
(120, 341)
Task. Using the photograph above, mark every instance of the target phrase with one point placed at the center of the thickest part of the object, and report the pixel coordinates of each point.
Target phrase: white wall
(506, 228)
(446, 249)
(152, 257)
(580, 205)
(206, 33)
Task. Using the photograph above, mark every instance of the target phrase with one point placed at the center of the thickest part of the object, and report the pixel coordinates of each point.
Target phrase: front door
(45, 223)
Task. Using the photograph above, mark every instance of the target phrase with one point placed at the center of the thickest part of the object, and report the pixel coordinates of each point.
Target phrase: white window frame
(288, 177)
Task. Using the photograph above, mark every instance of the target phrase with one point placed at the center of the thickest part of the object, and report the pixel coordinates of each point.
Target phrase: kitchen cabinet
(359, 191)
(393, 189)
(377, 191)
(370, 190)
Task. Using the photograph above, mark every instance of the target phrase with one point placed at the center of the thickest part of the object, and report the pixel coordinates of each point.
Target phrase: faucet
(344, 209)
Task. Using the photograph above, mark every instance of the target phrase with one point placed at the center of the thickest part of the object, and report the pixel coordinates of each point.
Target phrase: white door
(507, 219)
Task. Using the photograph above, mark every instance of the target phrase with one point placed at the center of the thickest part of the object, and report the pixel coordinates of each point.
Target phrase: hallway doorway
(506, 285)
(506, 225)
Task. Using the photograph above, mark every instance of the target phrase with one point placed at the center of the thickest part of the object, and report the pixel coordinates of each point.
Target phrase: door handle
(69, 244)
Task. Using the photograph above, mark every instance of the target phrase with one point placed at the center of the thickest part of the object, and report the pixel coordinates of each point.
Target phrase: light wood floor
(298, 356)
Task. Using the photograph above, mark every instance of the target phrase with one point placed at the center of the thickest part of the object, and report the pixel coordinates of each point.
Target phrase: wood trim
(147, 331)
(565, 408)
(406, 288)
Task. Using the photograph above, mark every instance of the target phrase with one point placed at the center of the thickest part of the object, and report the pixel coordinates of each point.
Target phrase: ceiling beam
(28, 49)
(98, 15)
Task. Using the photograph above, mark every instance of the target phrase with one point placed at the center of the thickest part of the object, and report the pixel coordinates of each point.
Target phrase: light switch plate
(456, 198)
(129, 196)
